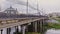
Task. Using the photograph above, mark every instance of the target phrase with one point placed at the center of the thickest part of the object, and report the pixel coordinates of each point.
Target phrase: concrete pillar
(16, 28)
(30, 27)
(12, 30)
(38, 26)
(35, 26)
(8, 30)
(27, 27)
(23, 29)
(1, 31)
(4, 31)
(41, 26)
(19, 28)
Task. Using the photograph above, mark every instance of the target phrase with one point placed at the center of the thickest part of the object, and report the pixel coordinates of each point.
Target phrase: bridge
(20, 24)
(11, 22)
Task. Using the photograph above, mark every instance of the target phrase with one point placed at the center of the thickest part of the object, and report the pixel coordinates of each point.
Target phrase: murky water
(53, 31)
(12, 30)
(52, 21)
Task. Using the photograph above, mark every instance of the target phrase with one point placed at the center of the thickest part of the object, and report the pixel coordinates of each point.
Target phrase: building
(54, 14)
(11, 10)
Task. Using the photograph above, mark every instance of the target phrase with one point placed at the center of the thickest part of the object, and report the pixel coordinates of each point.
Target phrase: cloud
(31, 7)
(47, 5)
(23, 3)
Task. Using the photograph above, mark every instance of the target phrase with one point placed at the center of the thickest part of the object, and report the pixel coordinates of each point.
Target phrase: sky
(45, 6)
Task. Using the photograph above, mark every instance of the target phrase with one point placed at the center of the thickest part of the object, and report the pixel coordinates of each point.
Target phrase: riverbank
(28, 33)
(52, 28)
(33, 33)
(53, 31)
(53, 25)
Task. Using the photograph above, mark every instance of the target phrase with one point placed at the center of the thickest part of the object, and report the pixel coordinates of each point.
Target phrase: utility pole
(38, 8)
(42, 11)
(27, 8)
(0, 8)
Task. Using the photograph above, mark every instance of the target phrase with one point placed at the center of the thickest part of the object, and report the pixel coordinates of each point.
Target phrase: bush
(17, 33)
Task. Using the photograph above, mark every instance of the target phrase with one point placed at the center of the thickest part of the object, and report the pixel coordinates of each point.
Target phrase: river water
(52, 21)
(53, 31)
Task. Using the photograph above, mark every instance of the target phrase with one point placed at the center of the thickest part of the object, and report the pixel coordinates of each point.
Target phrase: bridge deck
(6, 23)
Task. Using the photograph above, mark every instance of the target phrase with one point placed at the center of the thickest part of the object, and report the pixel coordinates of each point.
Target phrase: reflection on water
(52, 21)
(53, 31)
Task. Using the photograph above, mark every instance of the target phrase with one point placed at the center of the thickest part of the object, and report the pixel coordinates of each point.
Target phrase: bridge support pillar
(4, 30)
(19, 28)
(27, 27)
(1, 31)
(23, 29)
(12, 30)
(42, 26)
(35, 26)
(43, 23)
(16, 29)
(32, 27)
(8, 30)
(38, 26)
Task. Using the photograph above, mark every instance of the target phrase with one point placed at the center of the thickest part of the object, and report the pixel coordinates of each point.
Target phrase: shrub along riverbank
(27, 33)
(45, 27)
(53, 25)
(33, 33)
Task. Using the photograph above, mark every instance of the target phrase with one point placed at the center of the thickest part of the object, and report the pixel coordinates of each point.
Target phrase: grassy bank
(33, 33)
(28, 33)
(53, 25)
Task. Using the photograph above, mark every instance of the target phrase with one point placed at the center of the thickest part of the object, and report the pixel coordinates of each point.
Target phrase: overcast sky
(48, 6)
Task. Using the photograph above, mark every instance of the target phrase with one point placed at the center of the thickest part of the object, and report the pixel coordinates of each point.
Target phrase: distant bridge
(22, 23)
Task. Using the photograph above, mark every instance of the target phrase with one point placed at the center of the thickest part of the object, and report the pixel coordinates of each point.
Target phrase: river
(52, 21)
(53, 31)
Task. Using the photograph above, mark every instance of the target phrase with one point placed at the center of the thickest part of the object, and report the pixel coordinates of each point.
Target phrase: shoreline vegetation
(33, 33)
(47, 26)
(27, 33)
(53, 25)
